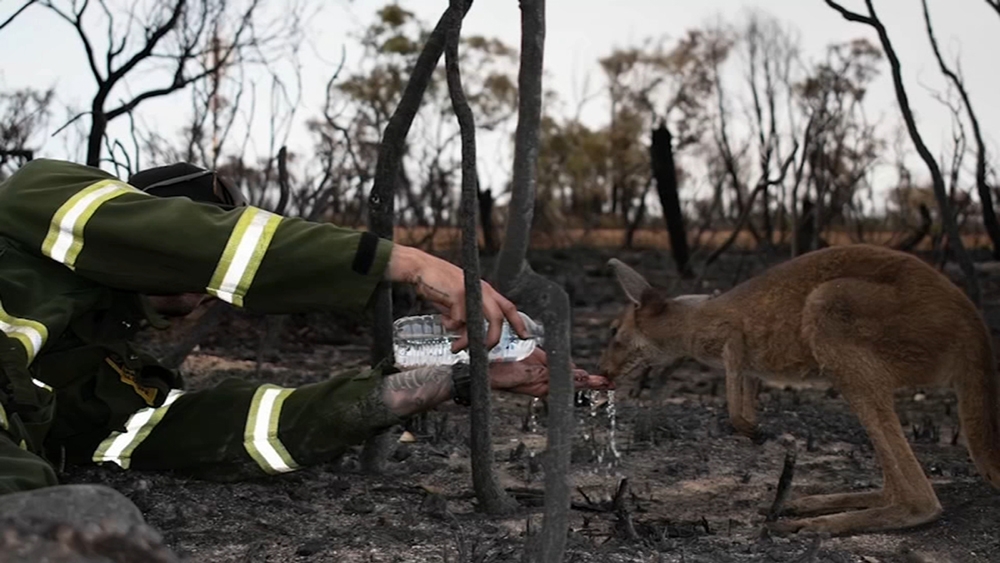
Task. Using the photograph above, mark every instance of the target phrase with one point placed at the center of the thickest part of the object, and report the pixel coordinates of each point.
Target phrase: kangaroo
(866, 318)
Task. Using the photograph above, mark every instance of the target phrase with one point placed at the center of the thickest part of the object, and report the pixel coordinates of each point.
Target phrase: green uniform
(79, 249)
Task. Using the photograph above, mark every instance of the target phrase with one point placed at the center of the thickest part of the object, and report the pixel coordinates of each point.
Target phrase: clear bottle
(422, 340)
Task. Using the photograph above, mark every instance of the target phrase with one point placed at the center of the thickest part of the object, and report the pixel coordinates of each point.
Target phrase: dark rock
(31, 540)
(360, 504)
(311, 547)
(76, 505)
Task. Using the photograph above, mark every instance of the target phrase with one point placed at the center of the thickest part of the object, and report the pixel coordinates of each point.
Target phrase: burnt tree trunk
(486, 220)
(806, 228)
(381, 210)
(491, 496)
(539, 297)
(661, 153)
(765, 209)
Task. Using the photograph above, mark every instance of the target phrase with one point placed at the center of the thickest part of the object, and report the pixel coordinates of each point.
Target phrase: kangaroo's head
(650, 329)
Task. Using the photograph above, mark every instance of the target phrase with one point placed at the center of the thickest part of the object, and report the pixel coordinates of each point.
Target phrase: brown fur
(866, 318)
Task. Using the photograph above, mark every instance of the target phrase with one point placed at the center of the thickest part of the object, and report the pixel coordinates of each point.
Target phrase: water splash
(612, 421)
(533, 414)
(599, 430)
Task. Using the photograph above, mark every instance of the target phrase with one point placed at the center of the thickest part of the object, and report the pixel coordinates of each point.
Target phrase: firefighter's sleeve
(108, 231)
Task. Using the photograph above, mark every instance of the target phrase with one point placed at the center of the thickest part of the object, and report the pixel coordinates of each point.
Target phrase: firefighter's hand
(443, 284)
(530, 376)
(419, 389)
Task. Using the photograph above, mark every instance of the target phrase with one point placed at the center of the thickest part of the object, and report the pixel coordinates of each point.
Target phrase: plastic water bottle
(422, 340)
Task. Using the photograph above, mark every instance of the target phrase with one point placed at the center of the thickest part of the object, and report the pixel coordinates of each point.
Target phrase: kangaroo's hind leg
(906, 499)
(834, 322)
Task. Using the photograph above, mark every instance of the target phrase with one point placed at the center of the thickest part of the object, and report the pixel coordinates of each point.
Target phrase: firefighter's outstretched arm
(110, 232)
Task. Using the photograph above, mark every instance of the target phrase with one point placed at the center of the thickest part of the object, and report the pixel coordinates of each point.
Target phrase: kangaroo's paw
(745, 427)
(893, 517)
(837, 502)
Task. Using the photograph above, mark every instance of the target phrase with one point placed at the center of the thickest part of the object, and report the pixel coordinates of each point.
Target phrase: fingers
(451, 323)
(460, 343)
(508, 310)
(455, 320)
(457, 311)
(583, 380)
(533, 379)
(493, 316)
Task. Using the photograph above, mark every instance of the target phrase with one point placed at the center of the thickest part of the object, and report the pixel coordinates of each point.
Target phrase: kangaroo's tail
(978, 394)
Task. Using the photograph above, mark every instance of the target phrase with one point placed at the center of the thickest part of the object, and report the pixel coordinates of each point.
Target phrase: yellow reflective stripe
(261, 434)
(243, 254)
(31, 334)
(118, 447)
(64, 240)
(42, 384)
(3, 418)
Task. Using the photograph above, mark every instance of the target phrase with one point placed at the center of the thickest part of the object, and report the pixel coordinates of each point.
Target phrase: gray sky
(40, 51)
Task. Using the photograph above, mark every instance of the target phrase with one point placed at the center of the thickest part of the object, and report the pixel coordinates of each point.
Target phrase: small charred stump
(784, 486)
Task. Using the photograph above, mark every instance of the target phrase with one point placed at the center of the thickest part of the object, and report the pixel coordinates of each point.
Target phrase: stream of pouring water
(612, 419)
(605, 454)
(612, 447)
(536, 403)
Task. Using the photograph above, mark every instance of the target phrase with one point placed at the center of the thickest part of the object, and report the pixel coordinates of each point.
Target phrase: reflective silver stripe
(118, 447)
(3, 418)
(31, 334)
(243, 254)
(64, 241)
(261, 434)
(42, 384)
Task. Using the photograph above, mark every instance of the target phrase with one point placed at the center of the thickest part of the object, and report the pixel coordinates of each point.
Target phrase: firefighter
(87, 260)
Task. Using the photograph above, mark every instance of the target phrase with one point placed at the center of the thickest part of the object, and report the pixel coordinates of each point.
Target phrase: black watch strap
(461, 384)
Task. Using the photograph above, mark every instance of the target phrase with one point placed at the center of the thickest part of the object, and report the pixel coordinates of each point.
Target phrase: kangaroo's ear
(630, 280)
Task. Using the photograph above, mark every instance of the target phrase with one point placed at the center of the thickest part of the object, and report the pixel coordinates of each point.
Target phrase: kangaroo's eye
(614, 331)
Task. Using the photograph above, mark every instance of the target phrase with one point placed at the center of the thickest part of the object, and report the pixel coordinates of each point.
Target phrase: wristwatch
(461, 384)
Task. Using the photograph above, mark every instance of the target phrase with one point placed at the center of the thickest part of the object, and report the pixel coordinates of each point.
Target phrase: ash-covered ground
(695, 489)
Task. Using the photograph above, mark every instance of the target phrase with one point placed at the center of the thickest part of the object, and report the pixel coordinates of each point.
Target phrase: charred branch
(625, 525)
(180, 36)
(486, 203)
(24, 154)
(283, 184)
(11, 18)
(940, 193)
(784, 487)
(995, 4)
(762, 185)
(491, 496)
(918, 234)
(381, 205)
(985, 195)
(381, 202)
